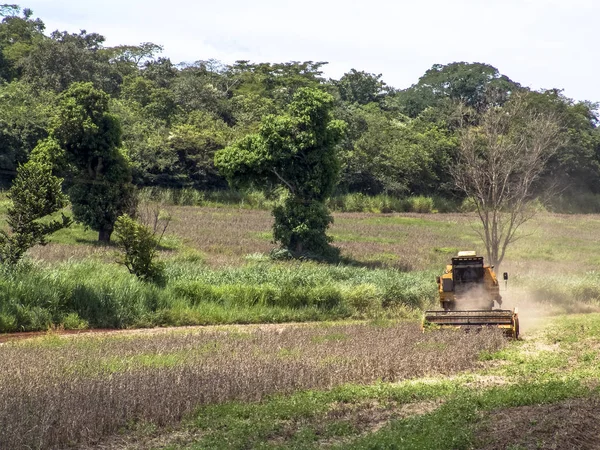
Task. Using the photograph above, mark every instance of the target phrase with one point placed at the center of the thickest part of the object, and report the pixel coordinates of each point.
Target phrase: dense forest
(174, 117)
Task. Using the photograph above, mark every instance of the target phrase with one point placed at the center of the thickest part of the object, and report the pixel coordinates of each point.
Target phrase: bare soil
(275, 327)
(572, 424)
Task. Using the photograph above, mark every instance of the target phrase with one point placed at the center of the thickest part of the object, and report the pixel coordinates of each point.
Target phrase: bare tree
(499, 162)
(154, 215)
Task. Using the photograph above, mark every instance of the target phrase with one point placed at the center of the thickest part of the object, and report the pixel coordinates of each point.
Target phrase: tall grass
(355, 202)
(194, 197)
(78, 294)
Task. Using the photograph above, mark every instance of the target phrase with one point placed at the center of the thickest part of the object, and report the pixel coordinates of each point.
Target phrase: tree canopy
(168, 120)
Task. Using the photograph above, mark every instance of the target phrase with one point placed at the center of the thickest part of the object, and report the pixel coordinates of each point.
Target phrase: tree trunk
(104, 235)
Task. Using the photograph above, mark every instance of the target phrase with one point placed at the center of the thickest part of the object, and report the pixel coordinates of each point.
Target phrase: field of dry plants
(57, 391)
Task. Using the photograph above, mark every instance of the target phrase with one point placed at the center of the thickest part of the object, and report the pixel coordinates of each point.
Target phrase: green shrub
(139, 245)
(34, 196)
(421, 204)
(72, 321)
(33, 318)
(446, 205)
(301, 228)
(8, 323)
(583, 203)
(468, 205)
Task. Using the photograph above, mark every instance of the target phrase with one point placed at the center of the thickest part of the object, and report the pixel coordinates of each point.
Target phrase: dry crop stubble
(57, 391)
(226, 236)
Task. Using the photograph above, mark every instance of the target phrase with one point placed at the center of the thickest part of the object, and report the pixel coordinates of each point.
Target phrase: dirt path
(275, 327)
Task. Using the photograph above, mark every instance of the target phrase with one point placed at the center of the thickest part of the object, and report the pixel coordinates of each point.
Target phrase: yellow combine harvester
(468, 291)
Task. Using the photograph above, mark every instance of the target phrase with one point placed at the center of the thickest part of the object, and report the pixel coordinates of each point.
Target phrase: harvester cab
(468, 291)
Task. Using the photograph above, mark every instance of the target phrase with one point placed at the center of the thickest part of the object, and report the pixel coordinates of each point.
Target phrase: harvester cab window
(468, 270)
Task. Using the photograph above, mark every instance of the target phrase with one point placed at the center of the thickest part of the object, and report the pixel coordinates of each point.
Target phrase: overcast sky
(538, 43)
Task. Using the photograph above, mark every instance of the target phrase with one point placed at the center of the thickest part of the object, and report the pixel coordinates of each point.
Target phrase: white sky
(538, 43)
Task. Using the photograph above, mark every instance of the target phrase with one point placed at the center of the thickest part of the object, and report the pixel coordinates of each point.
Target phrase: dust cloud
(472, 297)
(531, 312)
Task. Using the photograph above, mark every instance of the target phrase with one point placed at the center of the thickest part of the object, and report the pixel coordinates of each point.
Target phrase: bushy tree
(34, 195)
(278, 82)
(295, 151)
(90, 135)
(65, 58)
(19, 34)
(575, 167)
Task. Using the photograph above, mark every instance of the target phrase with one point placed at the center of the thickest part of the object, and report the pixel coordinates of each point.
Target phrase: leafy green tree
(18, 36)
(162, 71)
(152, 101)
(279, 81)
(145, 142)
(475, 85)
(65, 58)
(361, 87)
(194, 145)
(575, 167)
(34, 195)
(90, 135)
(388, 152)
(295, 151)
(24, 116)
(248, 110)
(134, 56)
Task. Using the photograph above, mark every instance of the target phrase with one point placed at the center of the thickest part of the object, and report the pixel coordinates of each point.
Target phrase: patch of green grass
(81, 294)
(397, 220)
(452, 426)
(446, 250)
(76, 234)
(297, 421)
(354, 237)
(573, 329)
(263, 235)
(333, 337)
(4, 204)
(303, 420)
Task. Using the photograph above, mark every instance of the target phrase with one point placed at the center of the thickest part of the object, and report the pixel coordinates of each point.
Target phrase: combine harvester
(468, 291)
